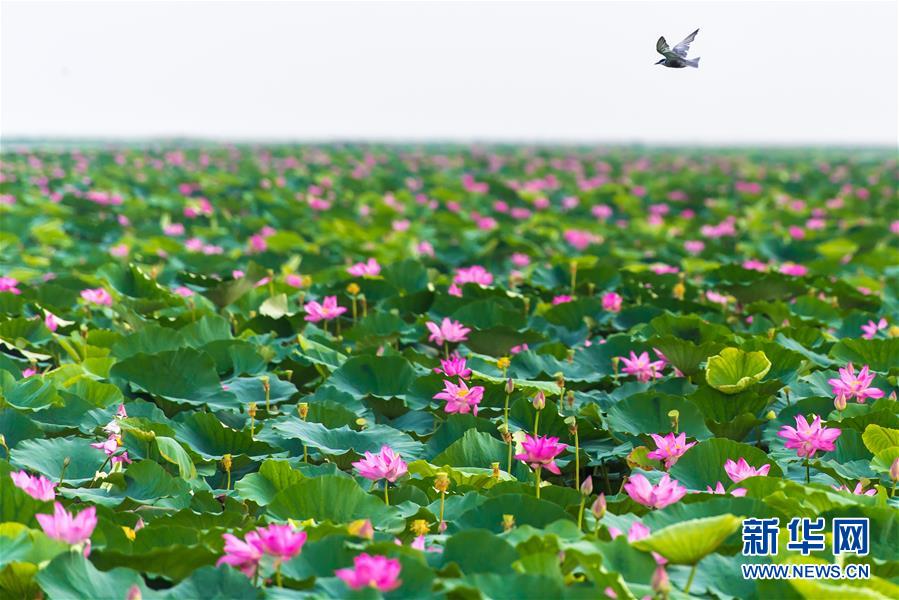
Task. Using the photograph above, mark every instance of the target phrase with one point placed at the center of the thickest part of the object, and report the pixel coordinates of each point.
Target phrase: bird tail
(693, 63)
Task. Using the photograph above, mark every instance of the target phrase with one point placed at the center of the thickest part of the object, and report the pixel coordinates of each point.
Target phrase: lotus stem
(386, 496)
(690, 579)
(537, 475)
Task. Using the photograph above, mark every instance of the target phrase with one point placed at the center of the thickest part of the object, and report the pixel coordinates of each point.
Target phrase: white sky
(781, 72)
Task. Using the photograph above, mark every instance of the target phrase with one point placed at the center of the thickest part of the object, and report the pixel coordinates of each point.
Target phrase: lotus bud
(894, 470)
(539, 400)
(510, 385)
(569, 399)
(420, 527)
(840, 402)
(134, 593)
(251, 410)
(599, 507)
(303, 410)
(495, 467)
(572, 425)
(503, 363)
(508, 522)
(660, 582)
(560, 379)
(361, 528)
(892, 396)
(442, 527)
(353, 289)
(587, 486)
(266, 387)
(441, 483)
(615, 361)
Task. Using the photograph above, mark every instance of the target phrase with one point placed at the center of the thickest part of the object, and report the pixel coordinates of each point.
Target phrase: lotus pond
(411, 372)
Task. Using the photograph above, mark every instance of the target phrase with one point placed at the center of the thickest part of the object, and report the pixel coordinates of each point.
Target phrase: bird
(676, 58)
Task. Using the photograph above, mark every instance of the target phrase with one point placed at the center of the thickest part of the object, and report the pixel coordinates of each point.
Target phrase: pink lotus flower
(871, 328)
(719, 489)
(755, 265)
(294, 280)
(370, 268)
(183, 291)
(50, 321)
(447, 331)
(258, 243)
(39, 488)
(662, 269)
(378, 572)
(453, 367)
(521, 260)
(459, 398)
(667, 491)
(579, 239)
(669, 448)
(282, 542)
(30, 371)
(174, 229)
(740, 470)
(808, 439)
(454, 290)
(637, 531)
(63, 526)
(474, 274)
(858, 491)
(641, 367)
(8, 284)
(717, 298)
(794, 270)
(850, 386)
(385, 465)
(98, 296)
(540, 452)
(694, 246)
(425, 248)
(563, 299)
(611, 302)
(325, 311)
(242, 554)
(109, 446)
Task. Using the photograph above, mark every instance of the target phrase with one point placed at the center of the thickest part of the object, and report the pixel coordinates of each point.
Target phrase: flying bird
(676, 58)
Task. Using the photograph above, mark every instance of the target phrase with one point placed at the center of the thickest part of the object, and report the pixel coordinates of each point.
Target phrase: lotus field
(412, 372)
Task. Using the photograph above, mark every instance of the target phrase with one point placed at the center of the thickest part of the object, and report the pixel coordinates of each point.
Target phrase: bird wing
(684, 45)
(662, 46)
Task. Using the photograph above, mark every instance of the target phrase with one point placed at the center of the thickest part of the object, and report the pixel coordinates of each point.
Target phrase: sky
(771, 72)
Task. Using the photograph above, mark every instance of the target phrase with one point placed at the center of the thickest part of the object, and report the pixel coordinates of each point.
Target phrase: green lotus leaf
(879, 355)
(382, 376)
(878, 438)
(733, 370)
(333, 498)
(688, 542)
